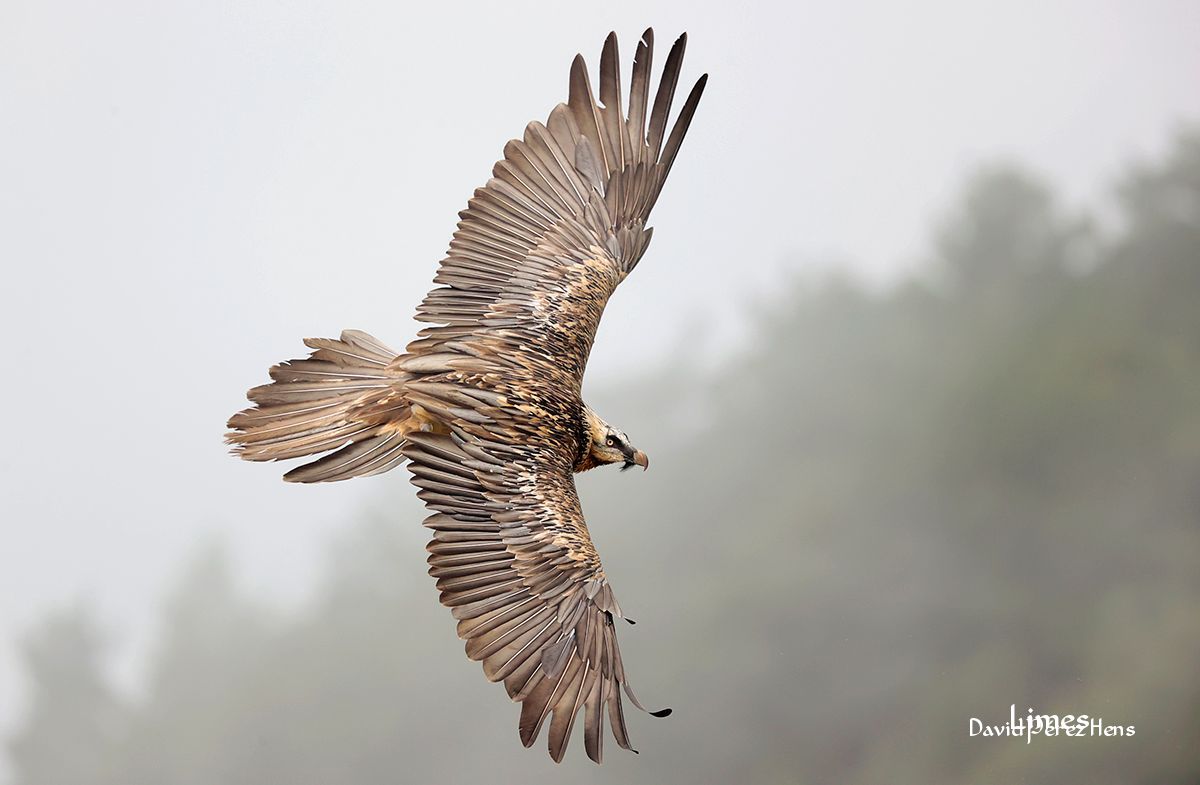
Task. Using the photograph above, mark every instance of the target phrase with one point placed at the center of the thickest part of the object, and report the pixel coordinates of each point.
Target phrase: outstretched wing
(496, 384)
(514, 562)
(541, 247)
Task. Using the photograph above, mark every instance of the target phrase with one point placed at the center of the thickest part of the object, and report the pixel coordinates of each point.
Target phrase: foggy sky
(191, 188)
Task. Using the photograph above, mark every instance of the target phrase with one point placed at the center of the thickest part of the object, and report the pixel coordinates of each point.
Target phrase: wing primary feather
(616, 717)
(593, 720)
(583, 106)
(664, 96)
(680, 129)
(639, 93)
(566, 708)
(610, 96)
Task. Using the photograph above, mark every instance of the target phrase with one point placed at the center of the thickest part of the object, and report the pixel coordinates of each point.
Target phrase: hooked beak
(640, 459)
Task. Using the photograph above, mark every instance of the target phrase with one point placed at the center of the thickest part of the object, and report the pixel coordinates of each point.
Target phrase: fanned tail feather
(343, 399)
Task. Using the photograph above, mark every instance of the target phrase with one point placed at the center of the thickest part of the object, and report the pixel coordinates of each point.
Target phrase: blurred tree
(74, 719)
(1007, 233)
(211, 652)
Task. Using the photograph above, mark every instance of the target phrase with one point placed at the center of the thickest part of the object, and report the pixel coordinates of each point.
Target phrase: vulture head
(607, 444)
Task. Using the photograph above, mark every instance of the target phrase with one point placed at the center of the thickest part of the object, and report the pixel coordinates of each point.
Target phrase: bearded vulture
(486, 407)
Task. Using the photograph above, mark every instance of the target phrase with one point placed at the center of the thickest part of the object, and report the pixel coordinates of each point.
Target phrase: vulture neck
(591, 429)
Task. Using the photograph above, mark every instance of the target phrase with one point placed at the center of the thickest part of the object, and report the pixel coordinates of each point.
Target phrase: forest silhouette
(889, 512)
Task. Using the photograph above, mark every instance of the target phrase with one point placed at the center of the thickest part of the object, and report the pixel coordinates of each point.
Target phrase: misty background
(915, 353)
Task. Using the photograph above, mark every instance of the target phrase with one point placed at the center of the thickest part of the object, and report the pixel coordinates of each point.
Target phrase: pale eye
(610, 441)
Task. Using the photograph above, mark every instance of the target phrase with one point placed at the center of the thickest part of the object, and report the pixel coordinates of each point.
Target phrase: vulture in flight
(485, 405)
